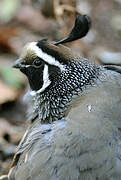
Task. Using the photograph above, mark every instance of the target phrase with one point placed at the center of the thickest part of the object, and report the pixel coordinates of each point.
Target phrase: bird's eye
(37, 62)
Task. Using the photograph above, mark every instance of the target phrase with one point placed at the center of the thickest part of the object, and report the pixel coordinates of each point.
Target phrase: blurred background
(23, 21)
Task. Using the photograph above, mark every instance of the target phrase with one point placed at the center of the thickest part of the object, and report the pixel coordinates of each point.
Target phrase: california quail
(75, 111)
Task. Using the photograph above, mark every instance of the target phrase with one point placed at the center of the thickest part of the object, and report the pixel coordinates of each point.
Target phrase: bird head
(44, 61)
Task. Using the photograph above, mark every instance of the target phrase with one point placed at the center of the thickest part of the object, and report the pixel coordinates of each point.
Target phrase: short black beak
(17, 63)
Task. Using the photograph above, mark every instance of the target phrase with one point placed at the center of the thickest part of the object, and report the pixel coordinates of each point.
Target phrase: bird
(74, 110)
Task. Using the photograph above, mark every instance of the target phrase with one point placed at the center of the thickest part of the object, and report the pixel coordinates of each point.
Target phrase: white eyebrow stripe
(48, 58)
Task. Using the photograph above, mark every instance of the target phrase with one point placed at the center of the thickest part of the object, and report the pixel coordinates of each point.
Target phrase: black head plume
(80, 29)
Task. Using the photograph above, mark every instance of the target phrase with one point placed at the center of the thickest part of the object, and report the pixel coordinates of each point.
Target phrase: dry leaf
(7, 94)
(6, 33)
(15, 133)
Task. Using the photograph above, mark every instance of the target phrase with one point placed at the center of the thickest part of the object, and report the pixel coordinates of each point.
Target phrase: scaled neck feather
(54, 103)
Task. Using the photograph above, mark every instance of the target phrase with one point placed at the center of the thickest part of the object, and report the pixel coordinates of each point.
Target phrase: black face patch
(35, 76)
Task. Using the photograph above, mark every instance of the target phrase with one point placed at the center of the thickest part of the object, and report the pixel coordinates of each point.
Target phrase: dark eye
(37, 62)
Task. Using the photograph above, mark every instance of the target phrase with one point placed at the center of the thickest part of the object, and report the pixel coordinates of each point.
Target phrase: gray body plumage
(84, 145)
(74, 132)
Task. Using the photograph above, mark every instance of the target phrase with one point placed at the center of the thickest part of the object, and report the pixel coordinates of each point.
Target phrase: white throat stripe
(46, 81)
(47, 58)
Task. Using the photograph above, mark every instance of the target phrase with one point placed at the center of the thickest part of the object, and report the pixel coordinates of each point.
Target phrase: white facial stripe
(46, 81)
(49, 59)
(27, 66)
(33, 93)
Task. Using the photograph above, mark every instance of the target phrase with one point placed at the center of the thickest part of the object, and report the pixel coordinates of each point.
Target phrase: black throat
(35, 76)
